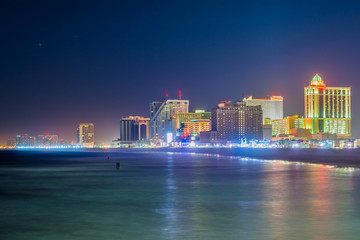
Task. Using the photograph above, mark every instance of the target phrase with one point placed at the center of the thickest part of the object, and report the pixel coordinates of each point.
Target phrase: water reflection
(180, 196)
(284, 200)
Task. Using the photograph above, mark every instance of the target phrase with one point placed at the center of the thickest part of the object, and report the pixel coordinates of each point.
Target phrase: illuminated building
(25, 140)
(187, 117)
(284, 126)
(195, 127)
(47, 140)
(163, 118)
(272, 107)
(236, 122)
(11, 142)
(253, 123)
(329, 108)
(85, 134)
(134, 128)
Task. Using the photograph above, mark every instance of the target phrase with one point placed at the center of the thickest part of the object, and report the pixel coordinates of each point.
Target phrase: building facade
(163, 121)
(284, 126)
(329, 108)
(25, 140)
(254, 123)
(85, 134)
(134, 128)
(188, 117)
(195, 127)
(47, 140)
(237, 122)
(272, 107)
(154, 107)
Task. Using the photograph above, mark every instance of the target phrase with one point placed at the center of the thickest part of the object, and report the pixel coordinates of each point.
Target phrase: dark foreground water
(81, 195)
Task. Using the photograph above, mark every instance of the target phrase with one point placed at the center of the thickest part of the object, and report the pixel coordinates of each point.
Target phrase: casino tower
(328, 108)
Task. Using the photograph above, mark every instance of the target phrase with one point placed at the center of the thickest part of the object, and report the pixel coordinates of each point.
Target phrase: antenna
(180, 95)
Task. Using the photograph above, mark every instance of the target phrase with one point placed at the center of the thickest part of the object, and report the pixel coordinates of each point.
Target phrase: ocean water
(82, 195)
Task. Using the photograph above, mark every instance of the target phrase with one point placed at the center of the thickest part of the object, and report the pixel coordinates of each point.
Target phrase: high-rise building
(134, 128)
(329, 108)
(272, 107)
(85, 134)
(47, 140)
(195, 127)
(187, 117)
(163, 118)
(228, 120)
(237, 122)
(253, 123)
(25, 140)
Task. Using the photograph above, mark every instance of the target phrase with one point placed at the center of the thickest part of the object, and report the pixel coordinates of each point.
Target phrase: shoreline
(341, 158)
(337, 157)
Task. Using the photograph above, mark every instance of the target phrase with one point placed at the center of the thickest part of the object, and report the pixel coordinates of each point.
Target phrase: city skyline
(179, 97)
(58, 73)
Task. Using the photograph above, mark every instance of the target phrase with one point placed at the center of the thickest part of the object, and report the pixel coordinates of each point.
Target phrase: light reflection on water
(178, 196)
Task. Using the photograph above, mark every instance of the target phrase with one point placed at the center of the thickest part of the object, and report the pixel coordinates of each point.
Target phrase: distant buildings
(189, 116)
(134, 128)
(25, 140)
(329, 108)
(284, 126)
(11, 142)
(327, 113)
(191, 124)
(253, 123)
(47, 140)
(272, 108)
(194, 127)
(163, 118)
(327, 117)
(85, 134)
(235, 123)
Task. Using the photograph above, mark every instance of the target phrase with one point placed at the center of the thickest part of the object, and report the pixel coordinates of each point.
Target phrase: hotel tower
(85, 134)
(328, 108)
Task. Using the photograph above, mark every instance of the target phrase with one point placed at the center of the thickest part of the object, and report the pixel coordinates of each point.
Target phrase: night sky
(63, 63)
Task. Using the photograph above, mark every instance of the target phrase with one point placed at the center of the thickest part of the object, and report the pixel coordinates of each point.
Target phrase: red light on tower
(321, 87)
(180, 94)
(166, 95)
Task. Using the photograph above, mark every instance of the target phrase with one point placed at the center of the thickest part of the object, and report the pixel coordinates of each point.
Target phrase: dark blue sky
(68, 62)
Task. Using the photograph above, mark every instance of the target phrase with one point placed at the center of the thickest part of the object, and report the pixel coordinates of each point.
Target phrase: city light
(252, 123)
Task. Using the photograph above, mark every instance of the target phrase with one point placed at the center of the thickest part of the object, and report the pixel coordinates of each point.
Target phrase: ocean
(166, 195)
